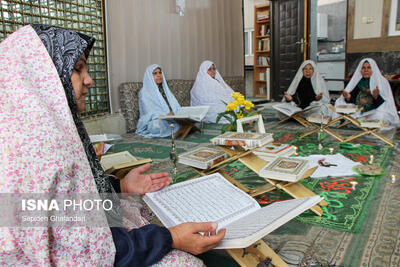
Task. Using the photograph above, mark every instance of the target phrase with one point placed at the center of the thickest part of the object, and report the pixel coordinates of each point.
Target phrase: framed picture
(394, 19)
(253, 124)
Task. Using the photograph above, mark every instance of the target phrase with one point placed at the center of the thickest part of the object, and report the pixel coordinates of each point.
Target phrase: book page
(207, 199)
(258, 224)
(287, 109)
(195, 113)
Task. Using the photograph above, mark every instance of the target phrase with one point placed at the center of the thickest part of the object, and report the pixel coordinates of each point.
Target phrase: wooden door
(290, 42)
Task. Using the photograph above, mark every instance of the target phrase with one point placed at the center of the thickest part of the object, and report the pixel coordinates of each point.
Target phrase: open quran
(285, 169)
(347, 109)
(246, 140)
(275, 150)
(120, 163)
(289, 109)
(202, 158)
(195, 114)
(372, 123)
(212, 198)
(316, 118)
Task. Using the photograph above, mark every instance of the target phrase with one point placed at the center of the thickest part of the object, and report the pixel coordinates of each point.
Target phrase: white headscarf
(41, 152)
(318, 83)
(376, 80)
(152, 104)
(213, 92)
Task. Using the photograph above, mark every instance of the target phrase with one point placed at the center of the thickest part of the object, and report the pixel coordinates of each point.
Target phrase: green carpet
(347, 207)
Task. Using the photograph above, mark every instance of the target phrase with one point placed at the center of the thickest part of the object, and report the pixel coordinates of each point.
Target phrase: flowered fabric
(41, 152)
(208, 91)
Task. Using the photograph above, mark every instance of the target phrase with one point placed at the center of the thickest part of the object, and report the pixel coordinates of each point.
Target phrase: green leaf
(225, 128)
(252, 113)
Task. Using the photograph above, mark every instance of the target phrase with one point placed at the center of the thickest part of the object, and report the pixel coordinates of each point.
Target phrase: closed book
(245, 140)
(202, 158)
(285, 169)
(275, 150)
(213, 199)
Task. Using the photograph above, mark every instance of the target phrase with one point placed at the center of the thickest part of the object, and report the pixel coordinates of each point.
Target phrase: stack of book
(262, 61)
(264, 44)
(262, 16)
(202, 158)
(245, 140)
(273, 150)
(285, 169)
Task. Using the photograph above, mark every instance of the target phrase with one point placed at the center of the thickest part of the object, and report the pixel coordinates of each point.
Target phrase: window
(86, 16)
(248, 42)
(394, 23)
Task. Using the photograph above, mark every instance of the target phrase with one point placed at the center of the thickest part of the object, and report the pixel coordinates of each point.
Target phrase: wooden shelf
(262, 50)
(263, 36)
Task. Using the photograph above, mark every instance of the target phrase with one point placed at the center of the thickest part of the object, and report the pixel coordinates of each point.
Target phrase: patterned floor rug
(359, 228)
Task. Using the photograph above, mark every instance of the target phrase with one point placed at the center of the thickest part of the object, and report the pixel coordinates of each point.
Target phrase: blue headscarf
(152, 104)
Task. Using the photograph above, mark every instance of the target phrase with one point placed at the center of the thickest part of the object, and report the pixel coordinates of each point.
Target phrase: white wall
(144, 32)
(368, 9)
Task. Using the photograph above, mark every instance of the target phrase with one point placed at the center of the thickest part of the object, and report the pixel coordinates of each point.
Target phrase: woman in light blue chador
(155, 99)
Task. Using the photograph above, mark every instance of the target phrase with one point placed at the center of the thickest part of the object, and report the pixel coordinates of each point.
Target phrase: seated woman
(46, 149)
(378, 104)
(155, 99)
(210, 89)
(307, 90)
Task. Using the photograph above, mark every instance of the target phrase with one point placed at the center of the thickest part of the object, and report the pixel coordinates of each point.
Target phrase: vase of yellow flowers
(237, 109)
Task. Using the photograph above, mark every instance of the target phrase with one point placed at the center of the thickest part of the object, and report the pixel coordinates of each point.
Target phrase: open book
(285, 169)
(120, 163)
(289, 109)
(212, 198)
(316, 118)
(347, 109)
(372, 123)
(203, 157)
(196, 114)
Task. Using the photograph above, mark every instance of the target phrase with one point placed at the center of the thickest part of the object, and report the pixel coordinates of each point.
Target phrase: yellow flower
(240, 100)
(248, 105)
(235, 95)
(231, 106)
(240, 115)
